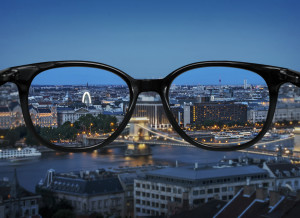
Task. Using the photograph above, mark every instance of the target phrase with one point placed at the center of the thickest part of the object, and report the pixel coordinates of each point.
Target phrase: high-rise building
(245, 84)
(225, 112)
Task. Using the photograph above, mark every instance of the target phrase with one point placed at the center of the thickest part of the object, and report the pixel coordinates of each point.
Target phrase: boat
(223, 135)
(19, 154)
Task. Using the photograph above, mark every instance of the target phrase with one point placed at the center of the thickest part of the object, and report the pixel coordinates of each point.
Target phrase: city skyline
(199, 76)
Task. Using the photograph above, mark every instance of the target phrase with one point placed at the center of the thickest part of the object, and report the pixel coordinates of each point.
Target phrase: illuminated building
(11, 116)
(43, 117)
(225, 112)
(151, 108)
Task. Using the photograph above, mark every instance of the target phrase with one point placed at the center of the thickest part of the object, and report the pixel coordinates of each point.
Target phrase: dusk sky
(150, 39)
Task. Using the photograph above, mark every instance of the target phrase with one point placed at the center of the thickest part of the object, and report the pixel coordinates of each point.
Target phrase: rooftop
(190, 173)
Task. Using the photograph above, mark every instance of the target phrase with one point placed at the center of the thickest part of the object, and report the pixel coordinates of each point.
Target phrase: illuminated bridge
(139, 140)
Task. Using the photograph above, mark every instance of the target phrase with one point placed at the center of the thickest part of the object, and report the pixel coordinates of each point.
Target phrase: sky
(150, 39)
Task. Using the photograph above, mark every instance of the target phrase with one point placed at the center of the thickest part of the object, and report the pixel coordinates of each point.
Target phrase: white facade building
(163, 191)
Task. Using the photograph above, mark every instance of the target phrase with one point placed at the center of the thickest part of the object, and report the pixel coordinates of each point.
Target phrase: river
(30, 172)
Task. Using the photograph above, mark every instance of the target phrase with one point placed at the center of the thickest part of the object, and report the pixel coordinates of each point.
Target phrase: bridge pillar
(137, 149)
(137, 131)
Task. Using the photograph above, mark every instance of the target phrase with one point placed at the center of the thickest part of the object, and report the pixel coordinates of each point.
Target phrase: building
(166, 191)
(11, 115)
(17, 202)
(284, 174)
(283, 112)
(65, 114)
(224, 112)
(43, 116)
(253, 201)
(127, 182)
(152, 108)
(88, 191)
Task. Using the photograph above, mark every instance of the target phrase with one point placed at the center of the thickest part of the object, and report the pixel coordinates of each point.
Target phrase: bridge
(141, 136)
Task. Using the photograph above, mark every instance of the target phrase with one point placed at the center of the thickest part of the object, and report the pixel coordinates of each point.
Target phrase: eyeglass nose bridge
(150, 85)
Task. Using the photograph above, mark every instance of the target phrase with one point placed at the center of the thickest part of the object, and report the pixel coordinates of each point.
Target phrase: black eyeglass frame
(274, 77)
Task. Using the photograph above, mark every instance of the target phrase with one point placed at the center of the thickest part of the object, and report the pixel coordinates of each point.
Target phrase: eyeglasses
(81, 106)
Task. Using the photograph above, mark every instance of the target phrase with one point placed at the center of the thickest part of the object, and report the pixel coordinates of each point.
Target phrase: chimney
(196, 166)
(248, 190)
(185, 201)
(237, 189)
(298, 195)
(274, 198)
(261, 194)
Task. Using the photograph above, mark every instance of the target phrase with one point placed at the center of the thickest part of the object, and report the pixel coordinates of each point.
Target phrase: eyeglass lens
(77, 106)
(220, 105)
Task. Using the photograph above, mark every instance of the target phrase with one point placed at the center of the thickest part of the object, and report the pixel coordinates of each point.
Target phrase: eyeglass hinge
(289, 75)
(8, 75)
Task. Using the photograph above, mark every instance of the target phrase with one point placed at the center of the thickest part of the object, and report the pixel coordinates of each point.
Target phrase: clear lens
(77, 106)
(220, 106)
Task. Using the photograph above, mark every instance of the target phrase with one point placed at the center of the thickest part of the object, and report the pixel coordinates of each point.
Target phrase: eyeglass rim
(28, 72)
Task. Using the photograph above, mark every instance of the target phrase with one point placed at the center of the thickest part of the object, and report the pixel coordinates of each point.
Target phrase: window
(93, 205)
(137, 193)
(162, 197)
(216, 190)
(202, 191)
(138, 209)
(224, 189)
(162, 189)
(178, 200)
(210, 190)
(195, 192)
(138, 201)
(168, 189)
(138, 185)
